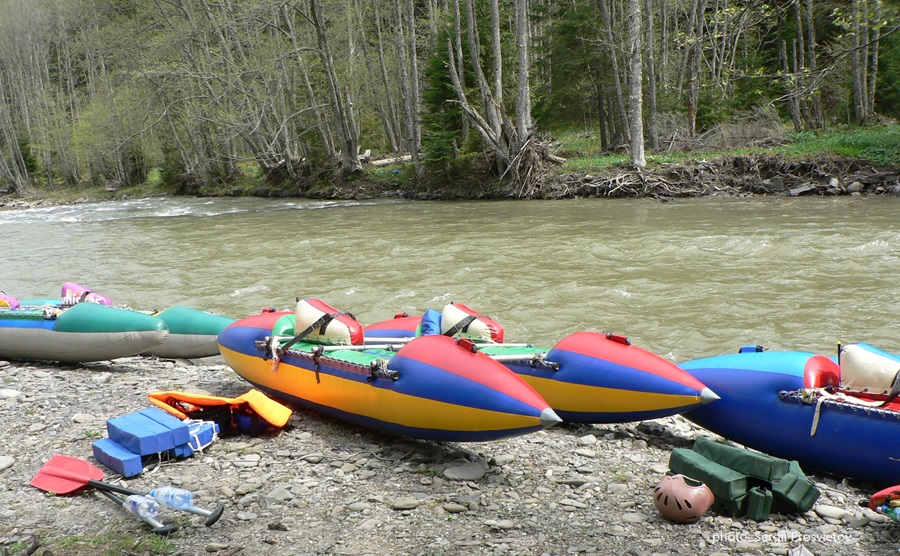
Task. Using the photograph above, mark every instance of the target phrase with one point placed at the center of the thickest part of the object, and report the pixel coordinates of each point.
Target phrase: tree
(635, 88)
(341, 106)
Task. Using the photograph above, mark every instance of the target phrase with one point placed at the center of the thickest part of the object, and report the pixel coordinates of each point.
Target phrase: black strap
(895, 390)
(461, 325)
(321, 323)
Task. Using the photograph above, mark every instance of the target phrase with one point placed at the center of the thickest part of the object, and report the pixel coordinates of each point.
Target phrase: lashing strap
(321, 324)
(462, 325)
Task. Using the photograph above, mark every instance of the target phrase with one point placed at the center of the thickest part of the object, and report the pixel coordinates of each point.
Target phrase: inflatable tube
(84, 332)
(192, 333)
(459, 321)
(326, 325)
(433, 388)
(764, 406)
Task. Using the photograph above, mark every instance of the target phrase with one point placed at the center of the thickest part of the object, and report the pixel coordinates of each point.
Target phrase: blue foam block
(118, 458)
(140, 434)
(180, 432)
(129, 434)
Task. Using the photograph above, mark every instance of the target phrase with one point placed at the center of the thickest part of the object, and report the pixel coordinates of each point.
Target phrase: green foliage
(31, 163)
(887, 93)
(172, 167)
(574, 65)
(441, 120)
(878, 144)
(122, 536)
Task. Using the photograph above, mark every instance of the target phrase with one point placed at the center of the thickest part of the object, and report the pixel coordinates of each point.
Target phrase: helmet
(682, 499)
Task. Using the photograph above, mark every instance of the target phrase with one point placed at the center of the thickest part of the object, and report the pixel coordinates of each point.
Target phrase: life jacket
(75, 293)
(243, 412)
(745, 482)
(8, 301)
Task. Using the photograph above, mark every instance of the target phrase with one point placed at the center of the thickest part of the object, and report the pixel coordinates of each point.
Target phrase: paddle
(67, 474)
(158, 527)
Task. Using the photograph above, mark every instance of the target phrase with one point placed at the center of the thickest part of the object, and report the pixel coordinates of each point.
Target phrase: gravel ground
(321, 486)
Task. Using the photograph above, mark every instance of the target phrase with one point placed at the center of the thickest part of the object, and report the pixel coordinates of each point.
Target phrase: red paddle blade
(65, 474)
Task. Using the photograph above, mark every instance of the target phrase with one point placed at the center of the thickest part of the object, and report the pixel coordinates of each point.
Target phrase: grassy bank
(875, 145)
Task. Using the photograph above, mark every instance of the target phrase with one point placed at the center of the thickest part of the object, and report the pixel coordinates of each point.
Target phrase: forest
(196, 92)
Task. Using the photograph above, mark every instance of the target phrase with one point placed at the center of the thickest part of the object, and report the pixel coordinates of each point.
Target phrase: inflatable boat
(192, 332)
(587, 377)
(838, 415)
(81, 333)
(431, 388)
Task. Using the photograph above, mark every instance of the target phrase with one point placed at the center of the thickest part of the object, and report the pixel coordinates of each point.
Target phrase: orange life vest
(186, 405)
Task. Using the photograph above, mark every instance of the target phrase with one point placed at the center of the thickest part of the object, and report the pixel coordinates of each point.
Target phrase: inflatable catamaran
(587, 377)
(432, 388)
(192, 332)
(839, 415)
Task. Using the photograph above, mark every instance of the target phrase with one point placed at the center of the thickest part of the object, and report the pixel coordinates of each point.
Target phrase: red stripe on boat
(466, 364)
(599, 346)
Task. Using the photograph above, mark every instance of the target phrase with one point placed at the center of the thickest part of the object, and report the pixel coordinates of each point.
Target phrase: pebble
(587, 440)
(635, 517)
(322, 486)
(471, 471)
(405, 504)
(454, 508)
(829, 512)
(280, 494)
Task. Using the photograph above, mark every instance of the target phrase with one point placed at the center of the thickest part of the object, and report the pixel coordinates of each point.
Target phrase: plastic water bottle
(173, 497)
(142, 505)
(892, 511)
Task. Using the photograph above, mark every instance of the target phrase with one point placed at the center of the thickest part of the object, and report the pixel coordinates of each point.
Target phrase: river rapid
(685, 279)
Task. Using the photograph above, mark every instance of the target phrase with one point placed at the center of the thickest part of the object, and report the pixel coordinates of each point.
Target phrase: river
(684, 279)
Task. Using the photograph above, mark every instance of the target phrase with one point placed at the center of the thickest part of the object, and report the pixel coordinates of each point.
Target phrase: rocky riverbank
(715, 175)
(322, 487)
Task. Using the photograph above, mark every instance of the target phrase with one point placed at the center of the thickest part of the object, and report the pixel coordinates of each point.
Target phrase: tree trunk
(695, 52)
(620, 101)
(857, 69)
(789, 89)
(414, 124)
(653, 127)
(391, 124)
(635, 89)
(875, 36)
(496, 53)
(523, 96)
(461, 75)
(342, 118)
(816, 96)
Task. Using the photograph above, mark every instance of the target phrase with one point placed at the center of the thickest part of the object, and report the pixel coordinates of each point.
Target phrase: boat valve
(539, 360)
(379, 369)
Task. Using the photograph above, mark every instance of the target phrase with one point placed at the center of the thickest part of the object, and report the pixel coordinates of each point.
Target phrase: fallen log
(389, 161)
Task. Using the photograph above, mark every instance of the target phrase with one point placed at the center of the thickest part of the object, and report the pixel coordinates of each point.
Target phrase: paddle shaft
(212, 516)
(158, 528)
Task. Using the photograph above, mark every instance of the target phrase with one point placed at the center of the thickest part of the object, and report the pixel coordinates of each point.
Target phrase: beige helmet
(682, 499)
